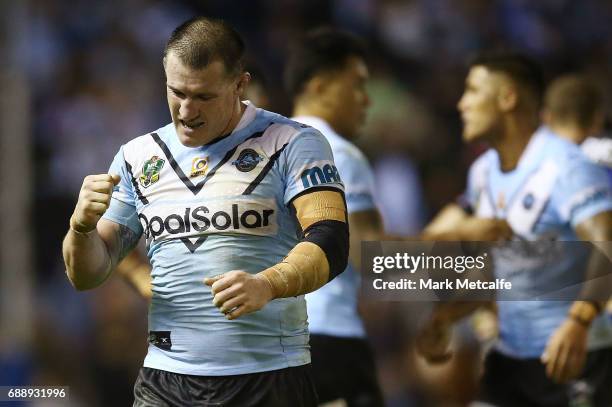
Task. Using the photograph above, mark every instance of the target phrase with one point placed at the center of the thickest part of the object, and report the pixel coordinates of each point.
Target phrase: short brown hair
(201, 40)
(574, 99)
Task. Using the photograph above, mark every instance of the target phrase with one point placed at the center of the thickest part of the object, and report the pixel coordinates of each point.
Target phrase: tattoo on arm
(127, 239)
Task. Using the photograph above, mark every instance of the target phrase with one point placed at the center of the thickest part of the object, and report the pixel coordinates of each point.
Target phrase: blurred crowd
(96, 81)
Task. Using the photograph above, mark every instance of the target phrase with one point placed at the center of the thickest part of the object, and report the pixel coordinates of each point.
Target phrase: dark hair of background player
(324, 49)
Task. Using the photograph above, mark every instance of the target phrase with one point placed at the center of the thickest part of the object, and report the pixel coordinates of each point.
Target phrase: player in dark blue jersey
(243, 213)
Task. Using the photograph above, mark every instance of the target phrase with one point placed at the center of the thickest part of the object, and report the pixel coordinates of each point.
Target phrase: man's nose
(188, 110)
(461, 103)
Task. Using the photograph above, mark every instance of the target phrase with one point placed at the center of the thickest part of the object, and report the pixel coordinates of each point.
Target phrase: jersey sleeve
(122, 209)
(308, 163)
(468, 199)
(583, 190)
(476, 182)
(358, 180)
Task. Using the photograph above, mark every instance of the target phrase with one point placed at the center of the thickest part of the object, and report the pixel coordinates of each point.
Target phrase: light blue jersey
(553, 188)
(212, 209)
(332, 310)
(599, 150)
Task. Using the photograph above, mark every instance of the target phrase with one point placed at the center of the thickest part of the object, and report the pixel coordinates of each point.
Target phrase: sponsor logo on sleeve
(320, 174)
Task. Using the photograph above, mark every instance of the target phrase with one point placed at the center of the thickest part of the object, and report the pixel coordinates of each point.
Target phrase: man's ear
(316, 85)
(507, 97)
(243, 82)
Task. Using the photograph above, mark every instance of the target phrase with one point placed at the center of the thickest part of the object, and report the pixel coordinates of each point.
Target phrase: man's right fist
(433, 342)
(94, 199)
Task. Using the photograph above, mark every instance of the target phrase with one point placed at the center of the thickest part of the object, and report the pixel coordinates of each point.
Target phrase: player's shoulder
(575, 170)
(283, 131)
(143, 143)
(350, 160)
(567, 156)
(478, 173)
(565, 159)
(598, 150)
(483, 162)
(344, 148)
(341, 147)
(350, 151)
(562, 149)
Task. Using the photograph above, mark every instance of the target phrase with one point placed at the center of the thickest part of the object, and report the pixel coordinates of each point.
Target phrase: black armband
(332, 237)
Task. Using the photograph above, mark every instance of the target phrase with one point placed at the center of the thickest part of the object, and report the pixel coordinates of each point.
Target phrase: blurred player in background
(543, 188)
(326, 76)
(256, 91)
(574, 108)
(218, 194)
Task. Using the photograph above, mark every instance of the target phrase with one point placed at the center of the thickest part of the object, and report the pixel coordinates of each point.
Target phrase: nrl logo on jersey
(247, 160)
(199, 166)
(151, 170)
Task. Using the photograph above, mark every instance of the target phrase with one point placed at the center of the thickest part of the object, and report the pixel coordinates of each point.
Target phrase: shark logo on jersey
(199, 166)
(247, 160)
(150, 171)
(528, 201)
(326, 174)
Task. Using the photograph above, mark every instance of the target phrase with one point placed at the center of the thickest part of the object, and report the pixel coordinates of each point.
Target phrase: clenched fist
(237, 293)
(94, 199)
(433, 342)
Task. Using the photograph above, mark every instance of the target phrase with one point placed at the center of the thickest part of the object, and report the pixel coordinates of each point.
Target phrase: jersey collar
(247, 117)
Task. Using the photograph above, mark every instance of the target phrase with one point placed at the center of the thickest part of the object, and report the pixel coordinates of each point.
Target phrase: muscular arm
(90, 257)
(322, 254)
(314, 261)
(597, 228)
(434, 337)
(597, 288)
(446, 223)
(453, 223)
(566, 350)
